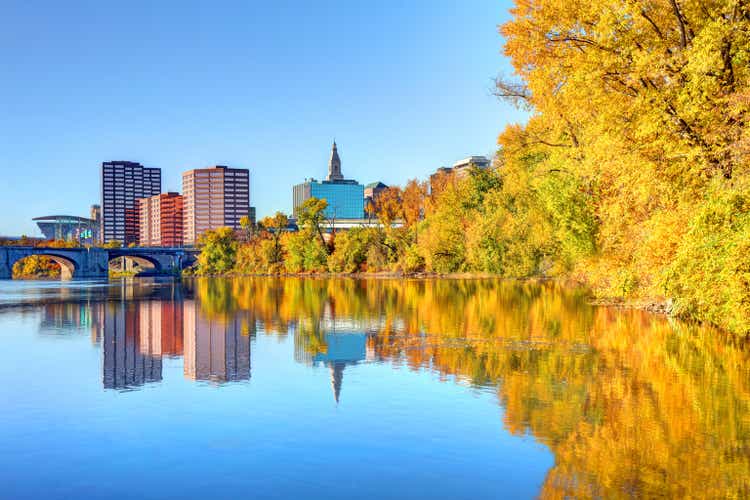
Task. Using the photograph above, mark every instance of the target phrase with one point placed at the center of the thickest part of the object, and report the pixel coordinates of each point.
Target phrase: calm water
(307, 388)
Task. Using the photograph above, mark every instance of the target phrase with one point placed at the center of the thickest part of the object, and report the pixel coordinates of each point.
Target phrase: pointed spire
(334, 165)
(337, 377)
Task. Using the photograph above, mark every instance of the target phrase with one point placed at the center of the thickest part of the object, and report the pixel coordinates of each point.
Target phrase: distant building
(345, 197)
(68, 228)
(373, 190)
(459, 170)
(123, 183)
(96, 216)
(161, 219)
(214, 197)
(463, 167)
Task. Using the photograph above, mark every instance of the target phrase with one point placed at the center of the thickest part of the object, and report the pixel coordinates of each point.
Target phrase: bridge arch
(143, 261)
(68, 266)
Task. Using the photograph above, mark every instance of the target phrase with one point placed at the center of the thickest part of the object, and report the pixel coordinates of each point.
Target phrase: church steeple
(334, 165)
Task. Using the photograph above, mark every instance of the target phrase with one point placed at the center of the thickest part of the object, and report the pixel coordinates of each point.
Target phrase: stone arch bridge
(89, 263)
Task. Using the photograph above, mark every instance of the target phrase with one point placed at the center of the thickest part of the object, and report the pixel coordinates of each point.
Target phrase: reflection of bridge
(94, 262)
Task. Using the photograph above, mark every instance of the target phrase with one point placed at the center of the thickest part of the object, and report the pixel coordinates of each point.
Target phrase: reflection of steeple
(334, 165)
(341, 349)
(337, 376)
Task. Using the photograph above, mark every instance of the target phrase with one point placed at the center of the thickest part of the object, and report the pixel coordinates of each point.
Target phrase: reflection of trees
(630, 404)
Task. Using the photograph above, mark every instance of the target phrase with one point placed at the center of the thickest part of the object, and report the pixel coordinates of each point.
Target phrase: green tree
(351, 248)
(304, 253)
(311, 218)
(276, 225)
(218, 251)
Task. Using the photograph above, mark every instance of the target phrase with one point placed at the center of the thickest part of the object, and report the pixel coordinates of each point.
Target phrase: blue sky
(403, 86)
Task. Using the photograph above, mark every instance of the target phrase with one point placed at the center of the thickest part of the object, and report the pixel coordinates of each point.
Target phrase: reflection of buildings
(136, 334)
(172, 337)
(58, 317)
(131, 345)
(339, 350)
(216, 349)
(65, 315)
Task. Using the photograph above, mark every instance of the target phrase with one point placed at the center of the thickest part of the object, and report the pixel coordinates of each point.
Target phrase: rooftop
(63, 219)
(475, 160)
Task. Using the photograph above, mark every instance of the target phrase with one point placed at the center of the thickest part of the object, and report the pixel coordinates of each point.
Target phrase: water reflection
(131, 344)
(217, 349)
(630, 404)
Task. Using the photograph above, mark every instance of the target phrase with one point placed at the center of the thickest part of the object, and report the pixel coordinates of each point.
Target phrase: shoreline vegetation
(629, 177)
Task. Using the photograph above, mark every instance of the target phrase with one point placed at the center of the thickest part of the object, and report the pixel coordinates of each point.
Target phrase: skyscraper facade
(345, 197)
(214, 197)
(123, 183)
(161, 219)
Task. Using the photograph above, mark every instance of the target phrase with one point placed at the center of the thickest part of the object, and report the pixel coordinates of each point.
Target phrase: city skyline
(273, 110)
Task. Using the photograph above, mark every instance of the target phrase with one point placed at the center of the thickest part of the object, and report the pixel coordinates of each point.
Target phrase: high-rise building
(161, 220)
(214, 197)
(345, 197)
(123, 183)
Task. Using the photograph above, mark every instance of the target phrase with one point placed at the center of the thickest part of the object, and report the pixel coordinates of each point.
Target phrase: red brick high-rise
(161, 220)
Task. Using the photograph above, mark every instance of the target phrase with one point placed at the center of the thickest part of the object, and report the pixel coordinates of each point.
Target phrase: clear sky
(403, 86)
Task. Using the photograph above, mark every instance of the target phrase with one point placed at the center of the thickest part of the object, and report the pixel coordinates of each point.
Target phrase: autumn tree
(388, 206)
(413, 198)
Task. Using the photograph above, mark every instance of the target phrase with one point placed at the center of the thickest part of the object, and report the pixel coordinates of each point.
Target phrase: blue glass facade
(345, 201)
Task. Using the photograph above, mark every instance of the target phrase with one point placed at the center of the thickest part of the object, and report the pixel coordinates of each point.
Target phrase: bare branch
(516, 93)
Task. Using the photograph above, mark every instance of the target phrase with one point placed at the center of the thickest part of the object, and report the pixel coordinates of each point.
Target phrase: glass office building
(345, 197)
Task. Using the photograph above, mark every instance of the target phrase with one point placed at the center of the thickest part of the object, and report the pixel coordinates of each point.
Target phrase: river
(347, 388)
